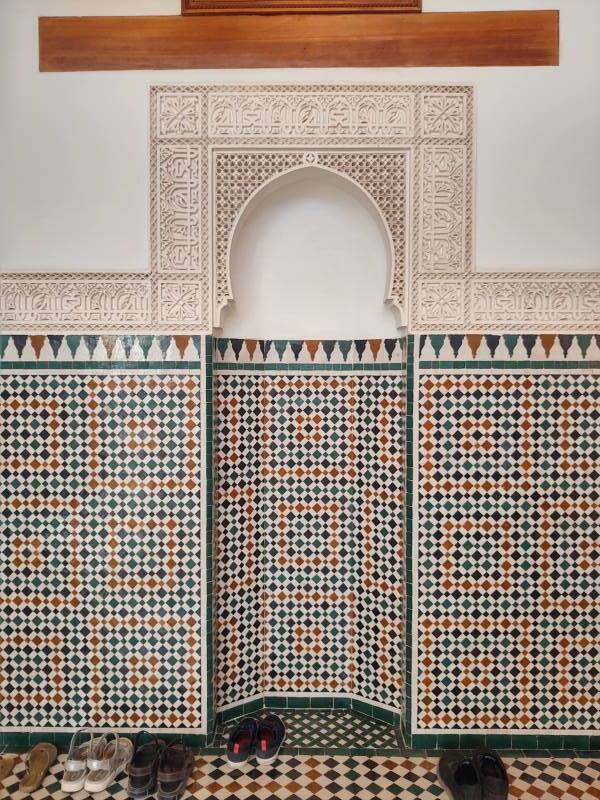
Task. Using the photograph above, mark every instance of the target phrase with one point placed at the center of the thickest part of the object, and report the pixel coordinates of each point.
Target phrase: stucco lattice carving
(239, 174)
(409, 147)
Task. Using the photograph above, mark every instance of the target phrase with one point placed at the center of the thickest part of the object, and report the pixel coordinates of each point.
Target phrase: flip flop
(6, 767)
(39, 761)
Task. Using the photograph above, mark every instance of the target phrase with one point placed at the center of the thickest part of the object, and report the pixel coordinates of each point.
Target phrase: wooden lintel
(298, 6)
(444, 39)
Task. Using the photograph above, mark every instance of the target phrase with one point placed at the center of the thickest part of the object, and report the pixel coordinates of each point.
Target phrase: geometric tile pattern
(379, 533)
(342, 778)
(98, 349)
(101, 580)
(238, 539)
(314, 351)
(522, 350)
(508, 471)
(309, 469)
(308, 487)
(321, 730)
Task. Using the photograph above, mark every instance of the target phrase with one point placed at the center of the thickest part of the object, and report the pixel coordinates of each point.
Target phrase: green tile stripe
(408, 534)
(208, 542)
(124, 366)
(23, 740)
(322, 703)
(510, 366)
(233, 366)
(538, 743)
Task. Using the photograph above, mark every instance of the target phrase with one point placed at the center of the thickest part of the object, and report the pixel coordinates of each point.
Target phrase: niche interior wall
(309, 539)
(104, 637)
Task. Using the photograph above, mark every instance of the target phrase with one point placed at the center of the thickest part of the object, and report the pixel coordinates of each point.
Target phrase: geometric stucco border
(410, 148)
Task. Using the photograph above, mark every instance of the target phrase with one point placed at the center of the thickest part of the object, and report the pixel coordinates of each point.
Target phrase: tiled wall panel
(380, 539)
(322, 472)
(102, 583)
(239, 548)
(507, 470)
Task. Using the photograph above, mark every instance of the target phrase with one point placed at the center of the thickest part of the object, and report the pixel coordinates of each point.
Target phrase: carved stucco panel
(409, 147)
(37, 302)
(566, 301)
(444, 116)
(300, 114)
(181, 303)
(178, 115)
(443, 209)
(179, 208)
(442, 299)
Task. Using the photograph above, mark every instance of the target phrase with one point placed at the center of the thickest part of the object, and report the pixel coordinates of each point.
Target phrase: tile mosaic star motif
(508, 512)
(309, 491)
(101, 494)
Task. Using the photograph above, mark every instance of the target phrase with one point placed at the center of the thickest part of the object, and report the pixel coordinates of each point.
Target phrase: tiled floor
(345, 778)
(310, 732)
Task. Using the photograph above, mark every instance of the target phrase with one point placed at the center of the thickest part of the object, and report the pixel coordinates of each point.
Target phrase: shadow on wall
(310, 258)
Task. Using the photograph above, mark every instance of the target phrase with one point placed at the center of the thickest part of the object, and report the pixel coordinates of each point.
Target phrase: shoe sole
(272, 759)
(70, 788)
(143, 795)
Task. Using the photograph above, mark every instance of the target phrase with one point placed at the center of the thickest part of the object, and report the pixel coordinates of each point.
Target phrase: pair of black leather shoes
(477, 776)
(261, 737)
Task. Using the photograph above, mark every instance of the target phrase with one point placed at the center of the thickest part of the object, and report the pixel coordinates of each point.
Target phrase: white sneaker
(109, 764)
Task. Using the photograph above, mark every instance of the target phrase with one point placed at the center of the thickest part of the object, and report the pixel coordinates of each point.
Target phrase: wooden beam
(487, 38)
(297, 6)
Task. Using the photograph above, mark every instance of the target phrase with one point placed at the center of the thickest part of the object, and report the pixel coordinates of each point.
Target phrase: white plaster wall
(74, 147)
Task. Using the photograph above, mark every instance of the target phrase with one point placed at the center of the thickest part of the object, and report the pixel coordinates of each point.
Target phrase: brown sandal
(39, 761)
(6, 767)
(174, 771)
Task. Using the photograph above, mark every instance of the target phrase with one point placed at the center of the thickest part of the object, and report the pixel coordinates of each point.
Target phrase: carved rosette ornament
(213, 148)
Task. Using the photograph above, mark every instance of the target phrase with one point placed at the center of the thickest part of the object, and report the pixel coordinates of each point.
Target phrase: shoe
(143, 767)
(269, 738)
(459, 777)
(6, 767)
(85, 747)
(108, 764)
(492, 774)
(39, 761)
(241, 741)
(174, 771)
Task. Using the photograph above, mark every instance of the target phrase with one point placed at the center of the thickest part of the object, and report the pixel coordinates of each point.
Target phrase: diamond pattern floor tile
(326, 730)
(343, 778)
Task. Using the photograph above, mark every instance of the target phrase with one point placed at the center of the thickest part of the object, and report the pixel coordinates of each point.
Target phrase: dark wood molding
(486, 38)
(195, 7)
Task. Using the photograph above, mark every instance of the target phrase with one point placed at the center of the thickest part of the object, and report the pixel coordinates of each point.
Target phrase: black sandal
(143, 767)
(174, 771)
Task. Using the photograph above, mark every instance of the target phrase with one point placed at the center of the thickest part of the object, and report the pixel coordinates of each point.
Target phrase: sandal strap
(74, 765)
(170, 777)
(98, 764)
(141, 772)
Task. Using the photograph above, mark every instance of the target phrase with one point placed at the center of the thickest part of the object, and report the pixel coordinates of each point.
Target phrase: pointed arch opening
(310, 256)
